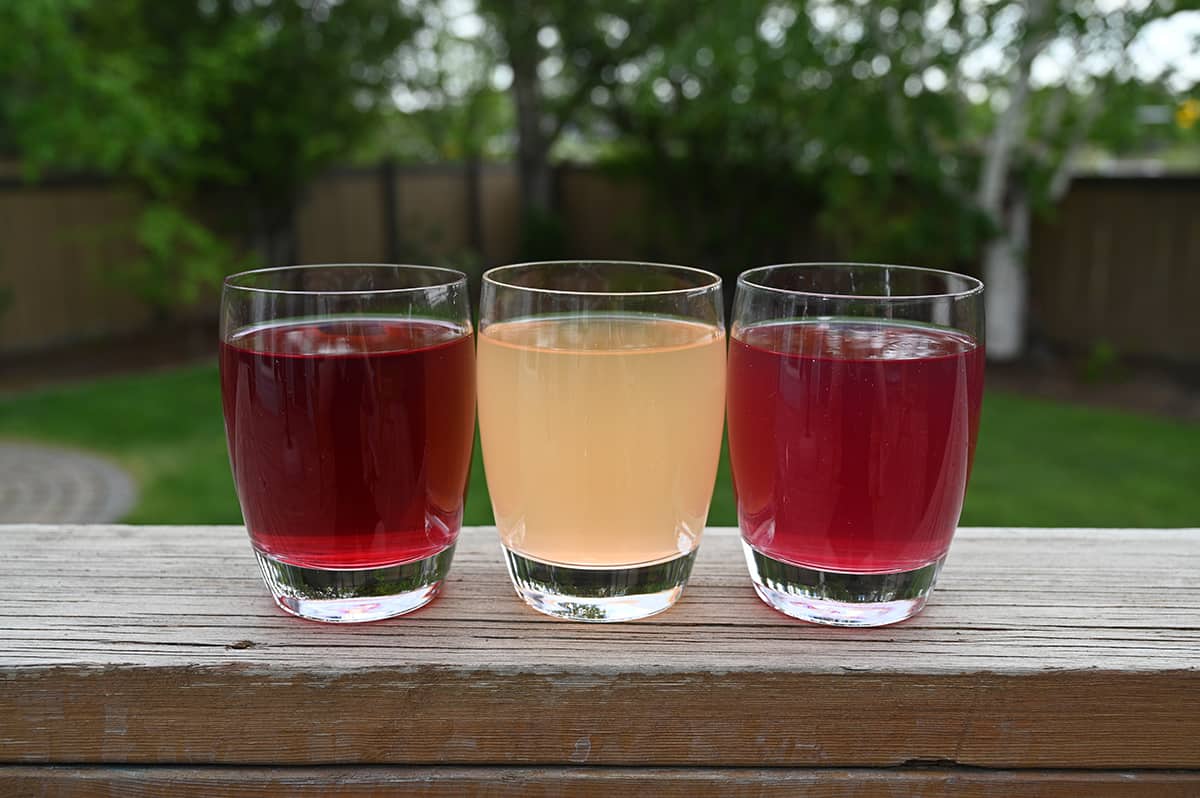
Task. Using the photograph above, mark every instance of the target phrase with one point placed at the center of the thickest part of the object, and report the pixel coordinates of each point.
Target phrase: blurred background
(1051, 147)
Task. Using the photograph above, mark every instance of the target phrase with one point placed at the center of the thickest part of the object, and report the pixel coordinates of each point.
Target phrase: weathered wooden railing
(150, 660)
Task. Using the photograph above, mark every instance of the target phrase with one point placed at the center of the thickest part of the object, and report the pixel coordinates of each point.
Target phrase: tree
(248, 101)
(1037, 134)
(558, 53)
(932, 128)
(1020, 88)
(713, 115)
(728, 107)
(448, 107)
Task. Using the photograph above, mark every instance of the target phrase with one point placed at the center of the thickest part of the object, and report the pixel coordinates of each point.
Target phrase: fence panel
(1117, 262)
(342, 219)
(58, 244)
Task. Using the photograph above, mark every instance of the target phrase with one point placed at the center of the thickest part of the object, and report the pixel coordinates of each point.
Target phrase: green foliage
(477, 127)
(730, 112)
(447, 106)
(543, 237)
(572, 46)
(1117, 127)
(902, 222)
(180, 258)
(64, 105)
(178, 95)
(886, 111)
(184, 99)
(1103, 364)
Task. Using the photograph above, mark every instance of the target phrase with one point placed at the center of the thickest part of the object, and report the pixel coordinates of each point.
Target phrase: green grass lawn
(1038, 463)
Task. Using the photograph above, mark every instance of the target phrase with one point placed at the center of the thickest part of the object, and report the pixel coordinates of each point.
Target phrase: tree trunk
(474, 209)
(275, 239)
(391, 211)
(1006, 278)
(533, 166)
(1006, 205)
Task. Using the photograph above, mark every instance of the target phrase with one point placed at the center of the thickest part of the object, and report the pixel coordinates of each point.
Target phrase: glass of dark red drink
(349, 399)
(853, 405)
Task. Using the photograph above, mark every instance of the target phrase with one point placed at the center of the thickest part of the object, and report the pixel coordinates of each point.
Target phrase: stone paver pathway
(51, 485)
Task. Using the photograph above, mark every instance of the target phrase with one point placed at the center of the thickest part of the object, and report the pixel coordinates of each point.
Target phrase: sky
(1167, 42)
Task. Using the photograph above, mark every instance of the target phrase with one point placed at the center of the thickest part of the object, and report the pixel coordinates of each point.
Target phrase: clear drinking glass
(349, 399)
(601, 391)
(853, 408)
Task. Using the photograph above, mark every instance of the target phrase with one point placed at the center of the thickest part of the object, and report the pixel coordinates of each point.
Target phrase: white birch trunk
(1006, 279)
(1004, 299)
(1004, 276)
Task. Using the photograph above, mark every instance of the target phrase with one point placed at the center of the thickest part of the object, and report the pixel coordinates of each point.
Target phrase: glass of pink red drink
(601, 400)
(854, 397)
(349, 401)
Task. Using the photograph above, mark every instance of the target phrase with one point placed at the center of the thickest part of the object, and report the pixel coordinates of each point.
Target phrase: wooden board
(585, 782)
(1041, 649)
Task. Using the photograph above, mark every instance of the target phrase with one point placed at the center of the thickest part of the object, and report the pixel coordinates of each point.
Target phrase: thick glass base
(837, 598)
(355, 595)
(599, 595)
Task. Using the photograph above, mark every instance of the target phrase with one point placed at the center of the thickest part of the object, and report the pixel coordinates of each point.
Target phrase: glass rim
(453, 277)
(714, 281)
(974, 284)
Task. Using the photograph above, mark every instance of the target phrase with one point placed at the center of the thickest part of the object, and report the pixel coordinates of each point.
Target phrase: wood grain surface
(585, 782)
(1041, 649)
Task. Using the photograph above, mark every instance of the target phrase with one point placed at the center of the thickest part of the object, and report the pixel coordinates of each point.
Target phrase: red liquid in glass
(852, 442)
(350, 440)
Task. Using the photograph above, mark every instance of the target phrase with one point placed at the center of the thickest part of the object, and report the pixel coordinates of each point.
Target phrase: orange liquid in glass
(601, 435)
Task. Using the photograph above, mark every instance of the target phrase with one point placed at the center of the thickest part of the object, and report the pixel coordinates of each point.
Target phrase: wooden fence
(410, 213)
(1118, 262)
(55, 242)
